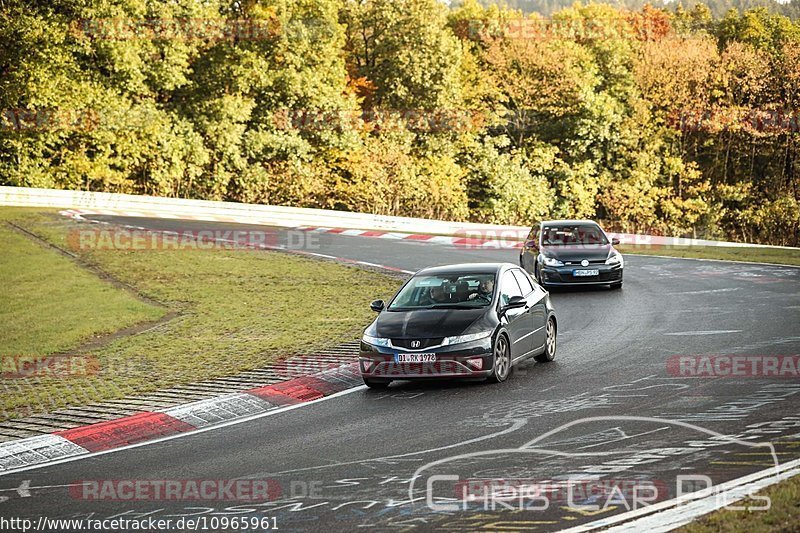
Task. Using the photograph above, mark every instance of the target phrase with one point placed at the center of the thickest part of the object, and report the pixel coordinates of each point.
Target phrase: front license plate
(415, 358)
(580, 273)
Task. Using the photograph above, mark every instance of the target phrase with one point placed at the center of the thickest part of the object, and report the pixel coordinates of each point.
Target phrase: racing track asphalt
(346, 462)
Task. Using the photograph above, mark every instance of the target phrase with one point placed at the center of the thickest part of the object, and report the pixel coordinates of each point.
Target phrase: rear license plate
(580, 273)
(415, 358)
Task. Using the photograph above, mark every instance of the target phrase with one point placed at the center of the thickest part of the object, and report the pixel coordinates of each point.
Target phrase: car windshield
(573, 234)
(457, 291)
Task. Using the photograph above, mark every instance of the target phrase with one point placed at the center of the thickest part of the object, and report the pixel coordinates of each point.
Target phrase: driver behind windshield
(431, 292)
(573, 235)
(432, 296)
(438, 295)
(485, 290)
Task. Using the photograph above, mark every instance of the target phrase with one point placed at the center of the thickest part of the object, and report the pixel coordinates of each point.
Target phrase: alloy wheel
(502, 361)
(551, 339)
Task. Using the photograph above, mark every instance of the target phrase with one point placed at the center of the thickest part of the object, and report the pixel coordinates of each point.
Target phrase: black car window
(449, 290)
(508, 288)
(524, 282)
(573, 234)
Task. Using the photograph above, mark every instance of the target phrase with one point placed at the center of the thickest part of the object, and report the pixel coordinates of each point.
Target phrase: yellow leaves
(542, 75)
(676, 72)
(745, 72)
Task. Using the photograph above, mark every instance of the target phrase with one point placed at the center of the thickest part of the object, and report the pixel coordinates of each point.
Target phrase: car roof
(464, 268)
(569, 221)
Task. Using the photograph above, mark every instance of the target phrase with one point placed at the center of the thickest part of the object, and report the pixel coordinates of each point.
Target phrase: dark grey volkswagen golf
(571, 252)
(459, 321)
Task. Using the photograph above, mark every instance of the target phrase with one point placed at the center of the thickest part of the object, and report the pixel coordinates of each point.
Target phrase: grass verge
(751, 255)
(237, 310)
(783, 515)
(50, 304)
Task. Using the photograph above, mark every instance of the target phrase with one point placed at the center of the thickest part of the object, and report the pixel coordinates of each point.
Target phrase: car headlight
(461, 339)
(614, 258)
(551, 261)
(376, 341)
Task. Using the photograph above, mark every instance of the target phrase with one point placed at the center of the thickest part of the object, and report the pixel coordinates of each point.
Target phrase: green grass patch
(49, 304)
(239, 310)
(783, 515)
(756, 255)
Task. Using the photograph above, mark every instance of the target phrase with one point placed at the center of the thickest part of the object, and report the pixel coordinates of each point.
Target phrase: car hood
(426, 323)
(594, 252)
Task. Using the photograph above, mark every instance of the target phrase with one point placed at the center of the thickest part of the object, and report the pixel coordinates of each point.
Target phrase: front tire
(615, 286)
(502, 360)
(376, 385)
(538, 277)
(549, 352)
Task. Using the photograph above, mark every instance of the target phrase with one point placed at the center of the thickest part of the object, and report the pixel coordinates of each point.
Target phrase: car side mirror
(514, 303)
(377, 306)
(614, 241)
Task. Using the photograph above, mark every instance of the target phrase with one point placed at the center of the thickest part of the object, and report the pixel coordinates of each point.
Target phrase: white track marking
(706, 332)
(626, 437)
(707, 291)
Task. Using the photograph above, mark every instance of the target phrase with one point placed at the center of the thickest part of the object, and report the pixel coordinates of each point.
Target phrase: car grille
(604, 276)
(592, 262)
(424, 343)
(439, 368)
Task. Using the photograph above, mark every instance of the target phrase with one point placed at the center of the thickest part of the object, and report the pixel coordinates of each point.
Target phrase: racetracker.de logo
(490, 238)
(57, 366)
(734, 366)
(250, 490)
(133, 239)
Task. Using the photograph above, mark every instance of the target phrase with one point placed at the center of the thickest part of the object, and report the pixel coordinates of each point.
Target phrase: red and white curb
(77, 214)
(471, 242)
(420, 237)
(187, 418)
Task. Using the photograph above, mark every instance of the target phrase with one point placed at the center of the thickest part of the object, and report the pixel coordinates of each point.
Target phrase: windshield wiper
(454, 306)
(437, 306)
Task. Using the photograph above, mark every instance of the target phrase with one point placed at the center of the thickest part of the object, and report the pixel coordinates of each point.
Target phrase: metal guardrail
(161, 207)
(213, 210)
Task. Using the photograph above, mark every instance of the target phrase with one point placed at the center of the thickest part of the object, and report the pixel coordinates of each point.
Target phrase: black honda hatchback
(459, 321)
